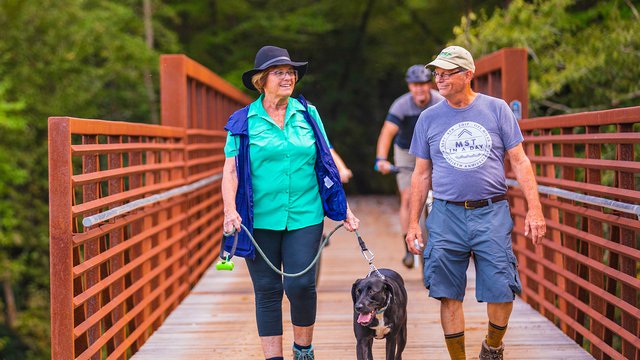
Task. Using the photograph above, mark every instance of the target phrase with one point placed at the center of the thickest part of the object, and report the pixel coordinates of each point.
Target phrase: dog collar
(385, 306)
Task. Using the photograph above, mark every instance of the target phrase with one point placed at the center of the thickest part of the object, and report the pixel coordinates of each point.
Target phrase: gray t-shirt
(404, 112)
(467, 147)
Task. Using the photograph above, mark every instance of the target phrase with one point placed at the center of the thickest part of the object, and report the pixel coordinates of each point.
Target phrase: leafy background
(94, 59)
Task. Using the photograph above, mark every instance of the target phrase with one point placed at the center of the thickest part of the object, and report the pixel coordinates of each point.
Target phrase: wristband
(379, 158)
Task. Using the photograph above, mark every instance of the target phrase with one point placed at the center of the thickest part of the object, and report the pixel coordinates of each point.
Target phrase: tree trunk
(357, 42)
(437, 38)
(10, 301)
(148, 81)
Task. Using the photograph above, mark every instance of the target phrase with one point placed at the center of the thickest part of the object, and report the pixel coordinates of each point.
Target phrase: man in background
(398, 128)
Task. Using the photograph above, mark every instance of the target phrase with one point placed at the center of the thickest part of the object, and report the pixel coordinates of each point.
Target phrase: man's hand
(351, 223)
(414, 234)
(232, 221)
(535, 224)
(383, 166)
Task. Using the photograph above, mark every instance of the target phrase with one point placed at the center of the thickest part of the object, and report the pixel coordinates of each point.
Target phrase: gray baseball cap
(418, 74)
(453, 57)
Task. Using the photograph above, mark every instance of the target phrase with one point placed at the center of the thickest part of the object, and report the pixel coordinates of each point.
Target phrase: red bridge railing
(114, 283)
(586, 275)
(199, 101)
(504, 74)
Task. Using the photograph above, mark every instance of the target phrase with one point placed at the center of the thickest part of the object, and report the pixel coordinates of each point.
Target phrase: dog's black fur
(370, 295)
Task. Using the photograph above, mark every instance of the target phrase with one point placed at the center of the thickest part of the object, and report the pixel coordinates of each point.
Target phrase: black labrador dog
(380, 311)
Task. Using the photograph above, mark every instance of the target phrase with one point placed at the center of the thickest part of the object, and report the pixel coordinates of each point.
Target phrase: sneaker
(408, 260)
(490, 353)
(305, 354)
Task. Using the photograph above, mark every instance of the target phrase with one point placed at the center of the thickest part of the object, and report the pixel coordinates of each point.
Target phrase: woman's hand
(232, 221)
(351, 223)
(345, 175)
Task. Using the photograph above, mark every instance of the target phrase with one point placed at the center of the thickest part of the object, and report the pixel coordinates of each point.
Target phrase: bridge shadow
(217, 321)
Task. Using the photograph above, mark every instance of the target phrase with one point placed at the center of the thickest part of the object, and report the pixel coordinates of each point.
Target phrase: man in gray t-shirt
(398, 127)
(467, 146)
(460, 145)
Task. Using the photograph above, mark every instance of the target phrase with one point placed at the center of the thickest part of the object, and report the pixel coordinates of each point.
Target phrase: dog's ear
(353, 289)
(388, 286)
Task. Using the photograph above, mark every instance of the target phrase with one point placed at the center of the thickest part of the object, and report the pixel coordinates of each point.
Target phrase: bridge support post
(62, 339)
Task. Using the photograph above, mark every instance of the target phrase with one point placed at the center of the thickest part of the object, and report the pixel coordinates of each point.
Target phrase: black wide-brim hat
(269, 56)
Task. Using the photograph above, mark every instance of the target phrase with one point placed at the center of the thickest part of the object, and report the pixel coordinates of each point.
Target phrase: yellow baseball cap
(453, 57)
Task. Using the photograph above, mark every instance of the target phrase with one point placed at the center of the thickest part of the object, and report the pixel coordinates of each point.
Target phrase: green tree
(583, 55)
(358, 52)
(89, 58)
(12, 176)
(83, 58)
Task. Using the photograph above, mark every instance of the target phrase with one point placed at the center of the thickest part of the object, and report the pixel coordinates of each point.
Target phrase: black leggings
(292, 251)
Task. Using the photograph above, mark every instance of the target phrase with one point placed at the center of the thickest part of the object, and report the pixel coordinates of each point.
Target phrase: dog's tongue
(365, 318)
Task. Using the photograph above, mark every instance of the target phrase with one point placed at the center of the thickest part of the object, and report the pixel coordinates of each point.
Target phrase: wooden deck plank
(217, 320)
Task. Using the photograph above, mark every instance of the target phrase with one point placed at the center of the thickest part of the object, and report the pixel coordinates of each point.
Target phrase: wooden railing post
(91, 192)
(60, 240)
(515, 78)
(553, 235)
(173, 91)
(570, 242)
(625, 180)
(504, 74)
(593, 176)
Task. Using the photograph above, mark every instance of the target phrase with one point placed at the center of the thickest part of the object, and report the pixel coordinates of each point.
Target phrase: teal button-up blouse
(285, 189)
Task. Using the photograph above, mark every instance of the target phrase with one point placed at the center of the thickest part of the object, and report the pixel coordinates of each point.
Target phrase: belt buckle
(467, 206)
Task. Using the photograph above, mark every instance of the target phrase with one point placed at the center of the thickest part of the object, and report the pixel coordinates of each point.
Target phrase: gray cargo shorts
(403, 159)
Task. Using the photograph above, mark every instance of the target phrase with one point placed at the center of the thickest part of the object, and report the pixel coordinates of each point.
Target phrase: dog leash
(227, 264)
(369, 257)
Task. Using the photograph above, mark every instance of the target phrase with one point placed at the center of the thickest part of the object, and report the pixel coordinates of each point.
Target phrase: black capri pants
(292, 251)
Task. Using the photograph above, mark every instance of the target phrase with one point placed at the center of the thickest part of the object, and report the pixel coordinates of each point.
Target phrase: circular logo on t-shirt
(466, 145)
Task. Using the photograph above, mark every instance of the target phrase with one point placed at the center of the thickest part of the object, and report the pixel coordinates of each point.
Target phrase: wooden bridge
(217, 319)
(138, 283)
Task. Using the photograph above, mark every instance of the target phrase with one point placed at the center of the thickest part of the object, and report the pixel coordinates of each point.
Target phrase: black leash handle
(364, 250)
(369, 257)
(363, 246)
(234, 233)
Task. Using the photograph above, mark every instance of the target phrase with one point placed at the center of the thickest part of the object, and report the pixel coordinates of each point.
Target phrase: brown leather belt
(474, 204)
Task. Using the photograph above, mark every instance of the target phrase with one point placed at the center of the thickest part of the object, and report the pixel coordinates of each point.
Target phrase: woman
(281, 189)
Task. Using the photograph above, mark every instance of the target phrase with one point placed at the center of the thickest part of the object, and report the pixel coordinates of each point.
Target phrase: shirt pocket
(301, 134)
(262, 136)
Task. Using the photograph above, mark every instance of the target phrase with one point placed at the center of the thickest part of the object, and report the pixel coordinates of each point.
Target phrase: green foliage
(358, 52)
(13, 177)
(583, 55)
(83, 58)
(88, 58)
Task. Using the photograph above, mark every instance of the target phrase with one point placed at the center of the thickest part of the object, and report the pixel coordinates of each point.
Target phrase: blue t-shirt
(467, 147)
(404, 112)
